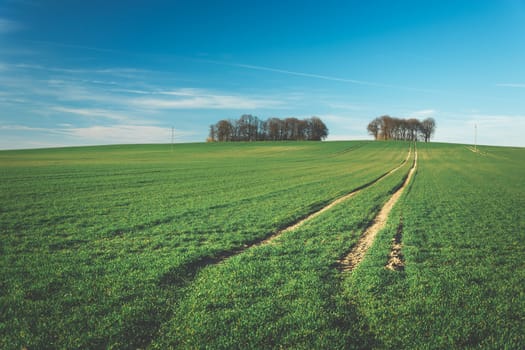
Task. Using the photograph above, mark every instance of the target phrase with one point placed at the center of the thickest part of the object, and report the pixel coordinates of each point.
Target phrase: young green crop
(463, 237)
(282, 294)
(97, 242)
(117, 247)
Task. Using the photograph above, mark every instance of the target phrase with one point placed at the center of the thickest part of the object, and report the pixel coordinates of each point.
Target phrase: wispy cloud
(132, 91)
(94, 112)
(81, 47)
(318, 76)
(425, 113)
(512, 85)
(118, 71)
(300, 74)
(93, 86)
(499, 120)
(92, 135)
(116, 134)
(345, 127)
(182, 92)
(16, 127)
(346, 106)
(492, 129)
(7, 26)
(203, 99)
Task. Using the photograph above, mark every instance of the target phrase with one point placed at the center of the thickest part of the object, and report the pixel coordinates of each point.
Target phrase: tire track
(185, 273)
(358, 251)
(395, 258)
(176, 279)
(331, 205)
(475, 150)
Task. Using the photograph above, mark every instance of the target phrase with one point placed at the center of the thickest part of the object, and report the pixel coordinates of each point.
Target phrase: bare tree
(319, 131)
(390, 128)
(374, 127)
(274, 127)
(291, 126)
(413, 126)
(225, 131)
(428, 127)
(251, 128)
(212, 137)
(303, 130)
(387, 124)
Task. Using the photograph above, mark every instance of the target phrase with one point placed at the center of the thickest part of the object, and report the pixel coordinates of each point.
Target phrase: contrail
(315, 76)
(308, 75)
(255, 67)
(300, 74)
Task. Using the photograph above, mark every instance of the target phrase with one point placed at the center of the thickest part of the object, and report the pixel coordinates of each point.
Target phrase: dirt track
(356, 255)
(395, 258)
(218, 258)
(475, 150)
(331, 205)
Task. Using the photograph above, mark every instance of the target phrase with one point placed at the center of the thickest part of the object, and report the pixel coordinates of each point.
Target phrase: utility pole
(475, 137)
(172, 137)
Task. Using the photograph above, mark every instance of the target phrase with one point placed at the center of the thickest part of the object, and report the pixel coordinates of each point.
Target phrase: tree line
(251, 128)
(390, 128)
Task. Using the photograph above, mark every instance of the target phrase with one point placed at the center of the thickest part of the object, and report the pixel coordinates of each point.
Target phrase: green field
(156, 246)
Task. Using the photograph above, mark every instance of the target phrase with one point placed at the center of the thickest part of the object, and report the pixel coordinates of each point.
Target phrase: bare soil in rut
(330, 206)
(358, 251)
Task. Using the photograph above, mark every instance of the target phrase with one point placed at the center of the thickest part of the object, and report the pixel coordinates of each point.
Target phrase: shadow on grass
(180, 276)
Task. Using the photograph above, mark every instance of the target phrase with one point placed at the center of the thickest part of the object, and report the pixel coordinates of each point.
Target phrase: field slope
(462, 233)
(149, 246)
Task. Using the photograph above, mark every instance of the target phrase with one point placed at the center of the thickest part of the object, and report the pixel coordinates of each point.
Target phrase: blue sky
(103, 72)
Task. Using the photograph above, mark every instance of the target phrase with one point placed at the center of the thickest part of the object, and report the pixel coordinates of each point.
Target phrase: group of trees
(390, 128)
(251, 128)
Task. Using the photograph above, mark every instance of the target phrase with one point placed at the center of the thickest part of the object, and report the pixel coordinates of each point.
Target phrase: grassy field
(463, 234)
(124, 246)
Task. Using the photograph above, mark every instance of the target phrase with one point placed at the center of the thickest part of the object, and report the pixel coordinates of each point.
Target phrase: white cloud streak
(425, 113)
(299, 74)
(319, 76)
(80, 47)
(92, 135)
(202, 99)
(74, 87)
(499, 120)
(511, 85)
(27, 128)
(115, 134)
(307, 75)
(94, 112)
(7, 26)
(346, 106)
(492, 129)
(106, 71)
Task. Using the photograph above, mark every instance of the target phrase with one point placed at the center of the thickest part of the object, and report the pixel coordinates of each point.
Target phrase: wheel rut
(329, 206)
(187, 272)
(357, 253)
(181, 276)
(475, 150)
(395, 258)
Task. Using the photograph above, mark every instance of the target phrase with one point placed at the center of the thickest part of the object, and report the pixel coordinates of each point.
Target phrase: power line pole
(172, 137)
(475, 137)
